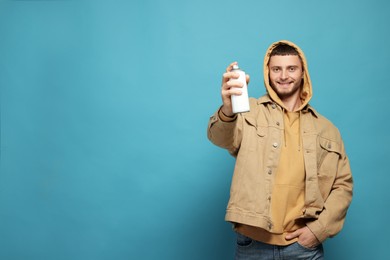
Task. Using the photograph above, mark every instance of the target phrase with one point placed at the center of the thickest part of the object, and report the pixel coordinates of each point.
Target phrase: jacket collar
(267, 99)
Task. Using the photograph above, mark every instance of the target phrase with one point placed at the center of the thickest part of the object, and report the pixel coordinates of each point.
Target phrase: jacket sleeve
(331, 218)
(226, 135)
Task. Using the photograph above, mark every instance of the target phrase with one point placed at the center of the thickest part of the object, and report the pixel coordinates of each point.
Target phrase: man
(292, 183)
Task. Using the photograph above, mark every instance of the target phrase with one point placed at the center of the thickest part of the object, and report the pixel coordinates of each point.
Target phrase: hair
(283, 49)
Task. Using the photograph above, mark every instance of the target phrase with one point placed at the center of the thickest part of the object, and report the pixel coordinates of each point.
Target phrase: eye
(292, 69)
(275, 69)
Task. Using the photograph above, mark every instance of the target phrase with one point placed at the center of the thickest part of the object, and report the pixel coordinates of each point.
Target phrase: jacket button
(277, 123)
(275, 145)
(269, 171)
(329, 146)
(273, 105)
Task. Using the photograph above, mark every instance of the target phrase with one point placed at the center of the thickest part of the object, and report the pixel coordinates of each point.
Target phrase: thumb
(294, 234)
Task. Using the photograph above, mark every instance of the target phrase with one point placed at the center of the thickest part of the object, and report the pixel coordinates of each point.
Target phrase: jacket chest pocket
(256, 135)
(328, 155)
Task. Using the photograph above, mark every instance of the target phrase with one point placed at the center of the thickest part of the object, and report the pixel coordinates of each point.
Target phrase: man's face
(285, 75)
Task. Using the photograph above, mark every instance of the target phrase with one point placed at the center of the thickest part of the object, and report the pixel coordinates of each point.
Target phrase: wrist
(226, 118)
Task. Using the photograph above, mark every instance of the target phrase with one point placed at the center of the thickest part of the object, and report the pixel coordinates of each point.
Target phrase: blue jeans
(248, 249)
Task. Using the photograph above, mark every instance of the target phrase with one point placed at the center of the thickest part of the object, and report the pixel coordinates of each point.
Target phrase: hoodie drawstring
(289, 122)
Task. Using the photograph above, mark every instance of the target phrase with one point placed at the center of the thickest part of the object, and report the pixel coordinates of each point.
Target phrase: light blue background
(104, 109)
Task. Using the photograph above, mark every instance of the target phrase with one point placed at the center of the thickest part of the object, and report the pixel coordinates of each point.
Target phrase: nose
(284, 75)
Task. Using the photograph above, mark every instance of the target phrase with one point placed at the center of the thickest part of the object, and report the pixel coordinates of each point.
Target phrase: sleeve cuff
(226, 118)
(318, 230)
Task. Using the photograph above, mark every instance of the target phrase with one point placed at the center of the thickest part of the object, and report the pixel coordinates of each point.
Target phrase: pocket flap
(330, 145)
(251, 121)
(260, 130)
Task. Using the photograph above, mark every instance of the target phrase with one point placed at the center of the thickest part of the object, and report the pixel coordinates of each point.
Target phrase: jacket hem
(251, 220)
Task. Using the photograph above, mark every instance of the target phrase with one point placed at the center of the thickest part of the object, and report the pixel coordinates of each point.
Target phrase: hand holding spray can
(240, 103)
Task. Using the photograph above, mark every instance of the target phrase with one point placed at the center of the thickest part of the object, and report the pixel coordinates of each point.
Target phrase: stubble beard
(288, 93)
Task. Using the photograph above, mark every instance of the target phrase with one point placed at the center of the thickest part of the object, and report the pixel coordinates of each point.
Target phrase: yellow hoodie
(289, 185)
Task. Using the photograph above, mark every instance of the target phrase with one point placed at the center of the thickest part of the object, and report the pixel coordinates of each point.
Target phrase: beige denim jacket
(254, 138)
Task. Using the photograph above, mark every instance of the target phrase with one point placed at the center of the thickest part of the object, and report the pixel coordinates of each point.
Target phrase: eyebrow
(288, 66)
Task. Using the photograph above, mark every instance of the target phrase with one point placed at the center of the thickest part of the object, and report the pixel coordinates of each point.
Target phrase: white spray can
(240, 103)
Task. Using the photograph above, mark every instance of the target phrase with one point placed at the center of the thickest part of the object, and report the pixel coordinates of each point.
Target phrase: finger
(233, 91)
(226, 76)
(230, 67)
(229, 75)
(248, 78)
(234, 84)
(236, 92)
(293, 234)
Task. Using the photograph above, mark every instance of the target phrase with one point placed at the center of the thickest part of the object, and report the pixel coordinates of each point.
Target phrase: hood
(306, 92)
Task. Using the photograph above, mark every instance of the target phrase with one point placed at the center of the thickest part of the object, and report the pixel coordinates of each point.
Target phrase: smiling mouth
(284, 84)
